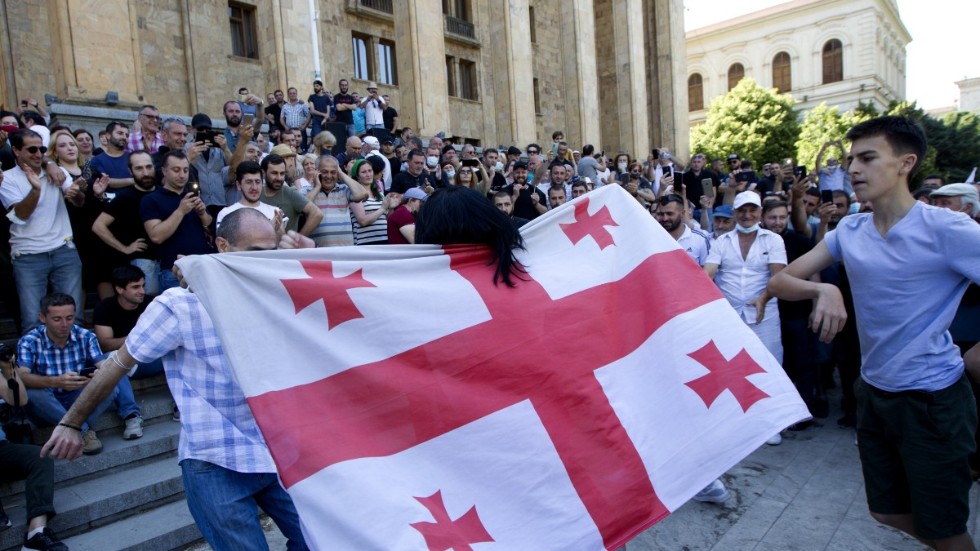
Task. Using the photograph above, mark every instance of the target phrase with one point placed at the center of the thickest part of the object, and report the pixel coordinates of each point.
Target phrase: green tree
(824, 124)
(755, 122)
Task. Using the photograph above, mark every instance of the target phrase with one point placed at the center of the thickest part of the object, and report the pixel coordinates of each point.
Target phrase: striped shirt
(43, 357)
(374, 234)
(216, 424)
(335, 230)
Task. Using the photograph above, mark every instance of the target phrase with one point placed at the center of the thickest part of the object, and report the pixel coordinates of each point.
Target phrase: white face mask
(450, 173)
(499, 166)
(750, 229)
(432, 161)
(622, 167)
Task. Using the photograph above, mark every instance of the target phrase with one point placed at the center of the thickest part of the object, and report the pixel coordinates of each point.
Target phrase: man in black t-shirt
(389, 115)
(320, 105)
(345, 104)
(116, 316)
(274, 111)
(529, 202)
(692, 180)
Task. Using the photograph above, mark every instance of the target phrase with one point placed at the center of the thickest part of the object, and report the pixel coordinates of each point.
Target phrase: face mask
(404, 167)
(498, 166)
(432, 161)
(750, 229)
(622, 167)
(450, 173)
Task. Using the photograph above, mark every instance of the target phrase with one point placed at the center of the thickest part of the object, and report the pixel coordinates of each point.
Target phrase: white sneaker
(134, 428)
(776, 440)
(716, 492)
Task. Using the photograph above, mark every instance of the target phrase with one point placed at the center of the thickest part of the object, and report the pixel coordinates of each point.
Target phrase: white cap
(372, 141)
(747, 198)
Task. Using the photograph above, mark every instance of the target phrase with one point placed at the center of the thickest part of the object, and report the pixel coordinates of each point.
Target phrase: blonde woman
(323, 143)
(304, 184)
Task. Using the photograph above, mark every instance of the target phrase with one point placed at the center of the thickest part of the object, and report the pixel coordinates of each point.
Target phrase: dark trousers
(24, 462)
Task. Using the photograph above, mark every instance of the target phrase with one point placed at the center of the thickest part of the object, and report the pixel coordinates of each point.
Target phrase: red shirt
(399, 218)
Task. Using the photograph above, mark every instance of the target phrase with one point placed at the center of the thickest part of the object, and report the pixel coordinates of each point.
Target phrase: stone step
(101, 501)
(163, 528)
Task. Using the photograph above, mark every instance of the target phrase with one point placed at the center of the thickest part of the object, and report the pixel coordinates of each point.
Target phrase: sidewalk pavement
(805, 494)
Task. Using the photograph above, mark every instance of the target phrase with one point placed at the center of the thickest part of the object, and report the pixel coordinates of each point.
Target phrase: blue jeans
(61, 268)
(168, 280)
(125, 399)
(46, 406)
(224, 504)
(151, 273)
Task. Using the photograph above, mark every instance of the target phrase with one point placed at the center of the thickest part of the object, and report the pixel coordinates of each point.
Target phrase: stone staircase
(129, 497)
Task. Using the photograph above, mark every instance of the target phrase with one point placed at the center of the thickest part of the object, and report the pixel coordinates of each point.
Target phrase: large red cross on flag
(409, 403)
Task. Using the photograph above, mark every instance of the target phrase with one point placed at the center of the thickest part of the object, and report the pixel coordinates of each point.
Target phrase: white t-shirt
(743, 280)
(268, 210)
(48, 227)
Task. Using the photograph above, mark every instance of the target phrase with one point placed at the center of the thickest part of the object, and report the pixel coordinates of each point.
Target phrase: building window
(537, 98)
(530, 16)
(362, 62)
(695, 92)
(782, 75)
(243, 35)
(460, 9)
(833, 61)
(451, 76)
(735, 73)
(387, 73)
(467, 80)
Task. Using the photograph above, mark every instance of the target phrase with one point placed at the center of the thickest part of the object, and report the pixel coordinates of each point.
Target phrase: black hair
(588, 149)
(842, 193)
(79, 132)
(17, 138)
(129, 158)
(112, 126)
(534, 145)
(56, 299)
(768, 206)
(247, 167)
(447, 148)
(172, 154)
(458, 215)
(126, 274)
(936, 176)
(272, 159)
(903, 135)
(415, 153)
(5, 113)
(35, 117)
(813, 191)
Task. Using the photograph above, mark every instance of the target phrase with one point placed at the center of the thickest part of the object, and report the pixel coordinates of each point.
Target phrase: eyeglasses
(466, 171)
(533, 151)
(151, 117)
(35, 148)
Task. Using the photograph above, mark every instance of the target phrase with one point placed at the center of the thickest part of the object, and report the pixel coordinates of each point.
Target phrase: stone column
(631, 83)
(580, 72)
(667, 75)
(514, 95)
(421, 38)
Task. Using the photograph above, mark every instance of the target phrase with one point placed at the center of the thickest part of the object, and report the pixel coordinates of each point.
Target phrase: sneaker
(90, 446)
(44, 540)
(775, 440)
(716, 492)
(176, 416)
(134, 428)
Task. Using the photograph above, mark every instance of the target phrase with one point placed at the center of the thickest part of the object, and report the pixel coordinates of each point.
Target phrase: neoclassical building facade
(837, 51)
(487, 72)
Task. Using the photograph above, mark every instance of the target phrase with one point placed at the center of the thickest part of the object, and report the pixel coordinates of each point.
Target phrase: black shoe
(45, 541)
(802, 425)
(4, 519)
(847, 421)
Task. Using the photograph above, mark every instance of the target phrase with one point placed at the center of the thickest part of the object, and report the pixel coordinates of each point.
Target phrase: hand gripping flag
(409, 403)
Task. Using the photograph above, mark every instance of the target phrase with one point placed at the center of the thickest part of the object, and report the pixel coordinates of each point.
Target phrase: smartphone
(826, 196)
(706, 187)
(248, 119)
(194, 189)
(655, 153)
(800, 171)
(470, 162)
(207, 136)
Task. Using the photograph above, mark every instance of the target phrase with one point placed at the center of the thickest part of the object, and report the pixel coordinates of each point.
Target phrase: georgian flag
(409, 403)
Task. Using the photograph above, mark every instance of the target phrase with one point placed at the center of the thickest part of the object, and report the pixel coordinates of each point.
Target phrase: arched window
(833, 61)
(735, 73)
(695, 92)
(782, 75)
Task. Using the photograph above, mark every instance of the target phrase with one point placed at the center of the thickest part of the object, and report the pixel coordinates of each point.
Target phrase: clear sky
(945, 44)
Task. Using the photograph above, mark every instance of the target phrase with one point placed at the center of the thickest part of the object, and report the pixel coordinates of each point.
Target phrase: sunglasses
(533, 152)
(466, 171)
(35, 148)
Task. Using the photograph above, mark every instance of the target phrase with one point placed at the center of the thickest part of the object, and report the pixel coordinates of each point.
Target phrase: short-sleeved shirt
(404, 181)
(398, 219)
(389, 118)
(743, 280)
(696, 244)
(42, 356)
(295, 115)
(135, 142)
(321, 103)
(290, 201)
(127, 226)
(268, 210)
(275, 110)
(188, 238)
(216, 424)
(109, 313)
(114, 167)
(335, 230)
(524, 207)
(907, 287)
(48, 227)
(693, 188)
(346, 117)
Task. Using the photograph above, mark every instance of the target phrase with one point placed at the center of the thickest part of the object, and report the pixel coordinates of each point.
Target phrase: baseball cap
(318, 81)
(733, 156)
(724, 211)
(956, 190)
(520, 164)
(387, 140)
(372, 141)
(415, 193)
(200, 120)
(513, 151)
(746, 198)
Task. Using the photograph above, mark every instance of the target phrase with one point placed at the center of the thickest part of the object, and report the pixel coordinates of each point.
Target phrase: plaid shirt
(43, 357)
(136, 142)
(217, 426)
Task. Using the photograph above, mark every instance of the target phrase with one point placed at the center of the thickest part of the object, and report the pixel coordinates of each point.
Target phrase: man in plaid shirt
(51, 358)
(227, 469)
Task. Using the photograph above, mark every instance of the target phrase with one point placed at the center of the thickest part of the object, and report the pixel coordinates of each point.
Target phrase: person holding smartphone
(698, 180)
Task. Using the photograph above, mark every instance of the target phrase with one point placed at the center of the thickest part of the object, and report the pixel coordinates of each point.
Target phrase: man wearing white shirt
(374, 108)
(248, 178)
(371, 146)
(671, 215)
(41, 244)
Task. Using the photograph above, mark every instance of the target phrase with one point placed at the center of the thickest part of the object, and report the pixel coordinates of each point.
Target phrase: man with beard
(274, 110)
(209, 158)
(345, 104)
(147, 138)
(291, 202)
(670, 213)
(233, 120)
(529, 203)
(320, 105)
(123, 213)
(113, 160)
(414, 175)
(175, 220)
(248, 178)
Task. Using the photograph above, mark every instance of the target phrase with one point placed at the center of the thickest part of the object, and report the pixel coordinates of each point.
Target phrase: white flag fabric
(410, 403)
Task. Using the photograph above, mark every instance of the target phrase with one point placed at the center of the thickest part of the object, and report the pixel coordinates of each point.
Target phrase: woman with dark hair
(86, 145)
(461, 216)
(369, 217)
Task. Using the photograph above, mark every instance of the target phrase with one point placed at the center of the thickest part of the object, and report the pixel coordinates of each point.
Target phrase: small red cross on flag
(569, 411)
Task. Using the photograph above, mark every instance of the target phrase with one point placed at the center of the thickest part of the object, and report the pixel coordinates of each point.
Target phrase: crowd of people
(111, 215)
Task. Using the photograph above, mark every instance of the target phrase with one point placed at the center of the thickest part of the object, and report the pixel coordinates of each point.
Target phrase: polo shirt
(189, 237)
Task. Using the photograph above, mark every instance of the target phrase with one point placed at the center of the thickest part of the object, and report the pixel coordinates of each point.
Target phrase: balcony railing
(460, 27)
(379, 5)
